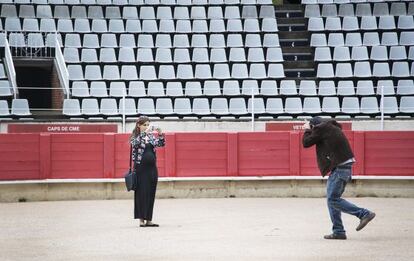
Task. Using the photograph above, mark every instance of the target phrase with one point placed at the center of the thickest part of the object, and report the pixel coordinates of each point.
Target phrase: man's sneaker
(365, 220)
(335, 236)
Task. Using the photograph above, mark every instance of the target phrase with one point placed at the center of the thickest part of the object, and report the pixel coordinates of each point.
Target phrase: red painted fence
(56, 156)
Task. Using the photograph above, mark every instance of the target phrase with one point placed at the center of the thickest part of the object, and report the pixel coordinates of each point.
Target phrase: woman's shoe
(152, 225)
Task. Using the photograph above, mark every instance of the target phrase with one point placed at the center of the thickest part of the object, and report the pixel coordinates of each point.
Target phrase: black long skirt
(147, 178)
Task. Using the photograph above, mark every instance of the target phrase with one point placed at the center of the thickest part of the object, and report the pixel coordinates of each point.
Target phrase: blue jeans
(337, 181)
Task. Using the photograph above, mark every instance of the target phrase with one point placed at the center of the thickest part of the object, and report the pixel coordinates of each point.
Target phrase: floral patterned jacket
(138, 144)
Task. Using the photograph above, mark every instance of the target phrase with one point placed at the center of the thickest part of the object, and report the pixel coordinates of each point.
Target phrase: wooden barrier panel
(389, 153)
(53, 156)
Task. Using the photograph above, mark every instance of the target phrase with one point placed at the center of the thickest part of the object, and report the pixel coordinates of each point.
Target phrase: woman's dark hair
(135, 131)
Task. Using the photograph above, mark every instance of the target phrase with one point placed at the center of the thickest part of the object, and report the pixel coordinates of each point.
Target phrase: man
(334, 155)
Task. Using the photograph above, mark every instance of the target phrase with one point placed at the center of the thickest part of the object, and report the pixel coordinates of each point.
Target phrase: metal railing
(61, 68)
(10, 67)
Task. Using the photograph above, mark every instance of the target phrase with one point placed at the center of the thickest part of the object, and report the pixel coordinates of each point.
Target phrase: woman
(144, 142)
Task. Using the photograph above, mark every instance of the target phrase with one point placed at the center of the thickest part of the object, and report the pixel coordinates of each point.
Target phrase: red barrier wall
(52, 156)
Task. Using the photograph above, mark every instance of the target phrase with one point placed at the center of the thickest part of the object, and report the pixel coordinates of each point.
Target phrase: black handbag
(130, 180)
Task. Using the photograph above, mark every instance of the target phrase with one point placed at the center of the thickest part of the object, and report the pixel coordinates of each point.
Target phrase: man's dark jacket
(332, 147)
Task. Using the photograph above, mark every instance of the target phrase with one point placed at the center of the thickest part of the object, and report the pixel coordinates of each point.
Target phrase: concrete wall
(14, 191)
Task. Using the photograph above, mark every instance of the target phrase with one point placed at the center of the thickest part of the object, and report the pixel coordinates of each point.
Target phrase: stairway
(295, 42)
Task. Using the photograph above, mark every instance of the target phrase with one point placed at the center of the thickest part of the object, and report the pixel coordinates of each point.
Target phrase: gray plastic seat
(64, 26)
(336, 39)
(273, 55)
(249, 11)
(333, 24)
(380, 9)
(95, 12)
(325, 71)
(360, 53)
(30, 24)
(269, 40)
(174, 89)
(407, 104)
(133, 26)
(163, 55)
(311, 105)
(350, 23)
(275, 70)
(350, 105)
(108, 107)
(107, 55)
(219, 106)
(390, 105)
(387, 86)
(407, 38)
(47, 25)
(181, 41)
(269, 25)
(145, 55)
(90, 41)
(129, 72)
(182, 56)
(346, 88)
(389, 39)
(130, 107)
(99, 26)
(166, 72)
(211, 88)
(116, 26)
(82, 26)
(201, 106)
(371, 39)
(386, 22)
(326, 88)
(293, 105)
(71, 107)
(200, 26)
(353, 39)
(235, 40)
(249, 87)
(369, 105)
(400, 69)
(234, 25)
(161, 41)
(362, 69)
(199, 40)
(237, 106)
(231, 88)
(405, 87)
(259, 106)
(164, 12)
(98, 89)
(231, 12)
(221, 71)
(322, 54)
(217, 41)
(251, 26)
(44, 11)
(218, 55)
(200, 55)
(89, 55)
(127, 40)
(269, 88)
(217, 26)
(329, 10)
(258, 71)
(237, 55)
(307, 88)
(239, 71)
(181, 12)
(363, 10)
(71, 55)
(136, 89)
(398, 9)
(156, 89)
(111, 72)
(365, 88)
(182, 106)
(192, 89)
(202, 71)
(109, 40)
(80, 89)
(90, 107)
(164, 106)
(369, 23)
(75, 72)
(288, 87)
(126, 55)
(381, 70)
(274, 106)
(12, 24)
(318, 40)
(315, 24)
(379, 53)
(346, 10)
(79, 12)
(398, 53)
(185, 71)
(8, 11)
(312, 11)
(341, 53)
(130, 12)
(146, 106)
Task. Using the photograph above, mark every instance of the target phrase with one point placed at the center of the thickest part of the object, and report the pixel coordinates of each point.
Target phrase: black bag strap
(130, 157)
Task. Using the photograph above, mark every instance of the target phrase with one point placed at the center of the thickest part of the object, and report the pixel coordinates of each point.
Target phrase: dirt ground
(204, 229)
